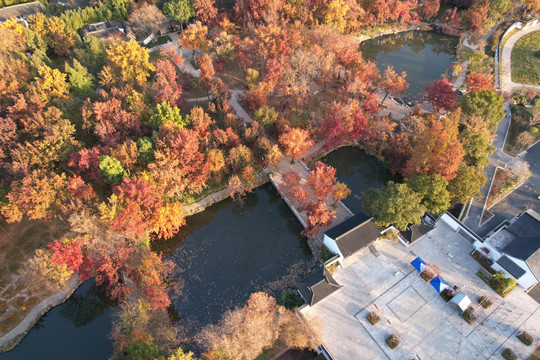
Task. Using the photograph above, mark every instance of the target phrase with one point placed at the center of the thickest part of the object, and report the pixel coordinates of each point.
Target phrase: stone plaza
(410, 308)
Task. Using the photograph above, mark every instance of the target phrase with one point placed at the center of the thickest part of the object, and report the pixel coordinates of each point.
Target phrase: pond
(226, 253)
(231, 250)
(423, 55)
(77, 329)
(359, 171)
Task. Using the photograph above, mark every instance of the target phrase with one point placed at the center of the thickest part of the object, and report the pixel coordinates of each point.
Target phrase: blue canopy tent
(438, 283)
(419, 264)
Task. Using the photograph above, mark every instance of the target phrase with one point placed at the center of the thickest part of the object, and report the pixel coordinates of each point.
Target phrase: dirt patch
(18, 243)
(503, 183)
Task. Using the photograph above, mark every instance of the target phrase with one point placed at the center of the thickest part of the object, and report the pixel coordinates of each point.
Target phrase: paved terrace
(428, 327)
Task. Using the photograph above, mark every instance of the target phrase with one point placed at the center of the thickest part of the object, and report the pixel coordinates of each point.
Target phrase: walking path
(499, 158)
(507, 85)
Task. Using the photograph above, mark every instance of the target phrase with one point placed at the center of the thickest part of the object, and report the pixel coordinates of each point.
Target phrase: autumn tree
(441, 94)
(319, 215)
(51, 85)
(205, 10)
(207, 71)
(260, 320)
(393, 83)
(194, 38)
(430, 8)
(54, 30)
(39, 195)
(321, 180)
(166, 84)
(476, 17)
(146, 19)
(437, 151)
(128, 64)
(132, 207)
(293, 189)
(295, 142)
(179, 166)
(266, 116)
(394, 204)
(478, 82)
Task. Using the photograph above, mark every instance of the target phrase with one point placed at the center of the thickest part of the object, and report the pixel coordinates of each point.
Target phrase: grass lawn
(526, 60)
(159, 41)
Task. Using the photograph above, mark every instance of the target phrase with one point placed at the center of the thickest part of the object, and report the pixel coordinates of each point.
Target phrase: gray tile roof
(354, 233)
(514, 269)
(20, 10)
(318, 285)
(416, 231)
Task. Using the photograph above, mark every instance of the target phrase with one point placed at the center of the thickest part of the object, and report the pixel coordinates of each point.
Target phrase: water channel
(423, 55)
(231, 250)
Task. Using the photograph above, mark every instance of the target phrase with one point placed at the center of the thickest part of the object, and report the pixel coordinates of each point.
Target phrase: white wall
(525, 281)
(450, 222)
(332, 246)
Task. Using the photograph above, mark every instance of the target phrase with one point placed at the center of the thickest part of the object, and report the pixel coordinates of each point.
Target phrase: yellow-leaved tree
(128, 63)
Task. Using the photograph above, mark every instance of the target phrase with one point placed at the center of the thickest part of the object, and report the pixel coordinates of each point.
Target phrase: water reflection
(231, 250)
(359, 171)
(423, 55)
(77, 329)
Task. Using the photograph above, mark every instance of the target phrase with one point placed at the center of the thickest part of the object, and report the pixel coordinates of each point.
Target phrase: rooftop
(514, 269)
(416, 231)
(354, 233)
(20, 11)
(318, 285)
(102, 29)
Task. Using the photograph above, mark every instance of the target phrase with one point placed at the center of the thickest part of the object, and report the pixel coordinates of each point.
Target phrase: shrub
(392, 341)
(485, 302)
(326, 254)
(508, 354)
(502, 285)
(427, 276)
(289, 300)
(445, 294)
(525, 338)
(469, 316)
(373, 318)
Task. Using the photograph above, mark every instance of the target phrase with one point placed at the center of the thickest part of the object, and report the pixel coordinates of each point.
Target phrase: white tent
(461, 300)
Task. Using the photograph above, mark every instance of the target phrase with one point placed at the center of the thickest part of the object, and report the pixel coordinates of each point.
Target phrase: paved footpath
(507, 85)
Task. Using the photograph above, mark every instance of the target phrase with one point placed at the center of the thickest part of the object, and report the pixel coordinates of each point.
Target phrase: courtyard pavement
(427, 327)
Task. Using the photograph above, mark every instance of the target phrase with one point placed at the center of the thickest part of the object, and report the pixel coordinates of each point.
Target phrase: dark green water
(226, 253)
(359, 171)
(77, 329)
(423, 55)
(229, 251)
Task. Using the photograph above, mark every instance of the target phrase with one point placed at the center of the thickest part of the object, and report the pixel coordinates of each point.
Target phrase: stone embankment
(19, 332)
